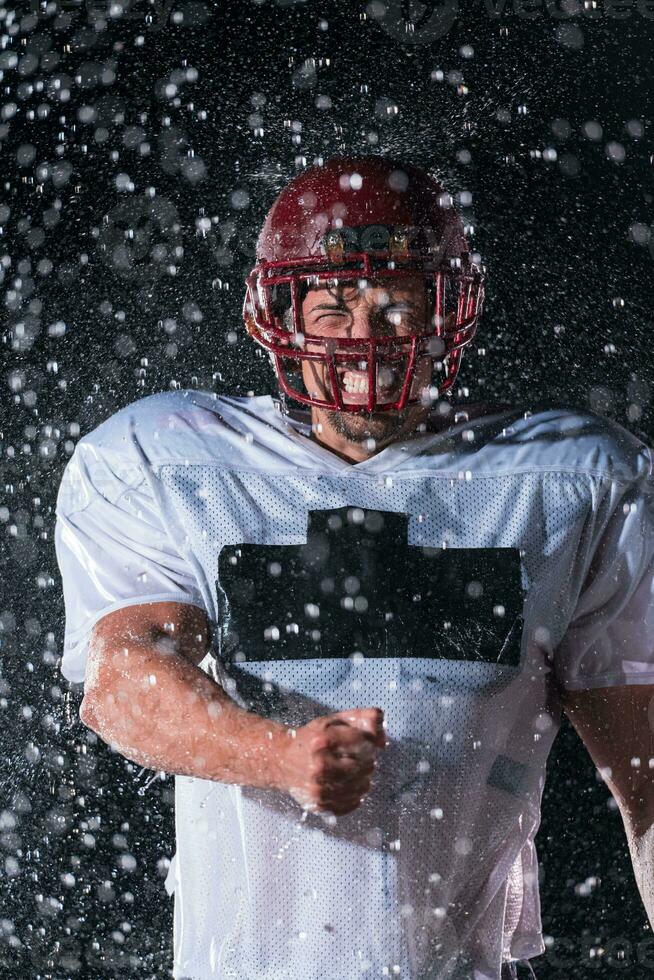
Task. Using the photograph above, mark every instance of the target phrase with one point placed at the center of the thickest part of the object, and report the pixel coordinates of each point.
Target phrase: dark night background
(140, 146)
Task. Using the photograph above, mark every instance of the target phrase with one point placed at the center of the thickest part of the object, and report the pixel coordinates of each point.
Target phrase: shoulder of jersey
(505, 439)
(557, 439)
(188, 426)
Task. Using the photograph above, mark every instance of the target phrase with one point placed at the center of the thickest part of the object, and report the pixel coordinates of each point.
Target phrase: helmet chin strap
(283, 403)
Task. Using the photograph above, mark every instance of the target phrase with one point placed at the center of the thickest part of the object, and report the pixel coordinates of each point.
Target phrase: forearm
(640, 838)
(165, 713)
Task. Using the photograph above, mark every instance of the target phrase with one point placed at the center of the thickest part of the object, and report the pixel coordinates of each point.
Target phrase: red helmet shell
(357, 192)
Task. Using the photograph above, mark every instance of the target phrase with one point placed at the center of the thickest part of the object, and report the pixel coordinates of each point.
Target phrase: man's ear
(248, 317)
(250, 326)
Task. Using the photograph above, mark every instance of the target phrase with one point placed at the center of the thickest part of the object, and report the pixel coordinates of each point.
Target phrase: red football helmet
(363, 221)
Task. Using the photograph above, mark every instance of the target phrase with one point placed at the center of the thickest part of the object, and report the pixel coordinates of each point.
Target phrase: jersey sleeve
(610, 638)
(113, 550)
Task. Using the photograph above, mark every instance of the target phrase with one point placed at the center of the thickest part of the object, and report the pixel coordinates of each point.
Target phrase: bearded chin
(366, 425)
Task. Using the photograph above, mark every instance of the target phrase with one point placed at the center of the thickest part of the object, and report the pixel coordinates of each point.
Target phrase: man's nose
(366, 322)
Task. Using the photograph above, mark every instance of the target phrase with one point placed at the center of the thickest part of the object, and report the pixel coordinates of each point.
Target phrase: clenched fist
(328, 763)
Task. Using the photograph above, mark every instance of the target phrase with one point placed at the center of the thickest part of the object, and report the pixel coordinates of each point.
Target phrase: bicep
(616, 724)
(178, 628)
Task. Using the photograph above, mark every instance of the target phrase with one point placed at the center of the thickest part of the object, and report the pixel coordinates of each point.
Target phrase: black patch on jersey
(357, 585)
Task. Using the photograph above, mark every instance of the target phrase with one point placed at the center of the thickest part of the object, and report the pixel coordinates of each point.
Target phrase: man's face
(362, 311)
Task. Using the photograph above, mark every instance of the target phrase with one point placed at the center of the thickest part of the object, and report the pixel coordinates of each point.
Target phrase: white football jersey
(458, 580)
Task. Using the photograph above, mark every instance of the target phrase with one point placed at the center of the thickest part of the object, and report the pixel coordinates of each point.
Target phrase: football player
(348, 619)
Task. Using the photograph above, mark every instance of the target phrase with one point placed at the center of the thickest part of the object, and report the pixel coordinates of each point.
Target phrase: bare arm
(614, 724)
(146, 697)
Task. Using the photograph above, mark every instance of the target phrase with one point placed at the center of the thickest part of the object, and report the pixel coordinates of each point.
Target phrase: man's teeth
(354, 383)
(358, 383)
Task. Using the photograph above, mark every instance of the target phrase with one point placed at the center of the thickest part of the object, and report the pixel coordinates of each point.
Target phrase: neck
(365, 438)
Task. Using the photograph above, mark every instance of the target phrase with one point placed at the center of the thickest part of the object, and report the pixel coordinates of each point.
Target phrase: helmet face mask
(390, 368)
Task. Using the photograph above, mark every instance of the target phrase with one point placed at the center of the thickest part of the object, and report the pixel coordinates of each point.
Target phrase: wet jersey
(458, 580)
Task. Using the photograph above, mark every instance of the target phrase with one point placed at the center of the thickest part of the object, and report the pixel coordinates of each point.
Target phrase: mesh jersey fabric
(521, 561)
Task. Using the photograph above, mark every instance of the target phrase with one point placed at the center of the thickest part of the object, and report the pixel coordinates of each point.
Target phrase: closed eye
(397, 313)
(401, 308)
(335, 311)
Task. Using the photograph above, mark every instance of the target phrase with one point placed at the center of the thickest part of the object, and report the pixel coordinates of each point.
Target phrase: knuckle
(316, 766)
(319, 742)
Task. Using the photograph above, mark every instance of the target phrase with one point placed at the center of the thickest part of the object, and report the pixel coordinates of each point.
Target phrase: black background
(110, 293)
